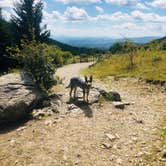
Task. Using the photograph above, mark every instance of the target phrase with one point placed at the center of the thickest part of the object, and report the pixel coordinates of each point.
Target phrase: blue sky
(102, 18)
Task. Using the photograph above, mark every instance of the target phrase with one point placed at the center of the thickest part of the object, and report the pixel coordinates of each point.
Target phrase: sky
(101, 18)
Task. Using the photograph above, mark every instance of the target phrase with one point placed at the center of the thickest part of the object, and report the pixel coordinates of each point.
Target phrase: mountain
(73, 49)
(100, 42)
(157, 43)
(124, 47)
(159, 40)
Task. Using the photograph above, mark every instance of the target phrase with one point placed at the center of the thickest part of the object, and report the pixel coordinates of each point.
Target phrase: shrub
(59, 57)
(35, 60)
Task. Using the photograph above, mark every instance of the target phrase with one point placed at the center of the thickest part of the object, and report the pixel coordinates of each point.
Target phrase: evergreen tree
(5, 31)
(27, 21)
(5, 41)
(0, 13)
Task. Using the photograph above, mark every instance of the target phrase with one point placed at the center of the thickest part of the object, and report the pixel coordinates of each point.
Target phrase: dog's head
(89, 81)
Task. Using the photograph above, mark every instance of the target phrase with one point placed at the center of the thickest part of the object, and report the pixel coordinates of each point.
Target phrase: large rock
(110, 96)
(18, 96)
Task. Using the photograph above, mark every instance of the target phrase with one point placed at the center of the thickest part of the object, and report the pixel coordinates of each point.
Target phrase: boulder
(18, 96)
(113, 96)
(110, 96)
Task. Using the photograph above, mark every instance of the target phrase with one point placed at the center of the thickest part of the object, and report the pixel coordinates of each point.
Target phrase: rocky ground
(94, 134)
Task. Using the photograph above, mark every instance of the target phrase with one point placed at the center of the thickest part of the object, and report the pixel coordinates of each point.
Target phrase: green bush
(59, 57)
(35, 60)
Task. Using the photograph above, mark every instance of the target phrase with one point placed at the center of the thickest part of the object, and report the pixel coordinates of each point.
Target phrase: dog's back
(77, 82)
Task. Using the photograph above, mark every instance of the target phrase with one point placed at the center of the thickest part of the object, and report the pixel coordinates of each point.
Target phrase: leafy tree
(27, 21)
(123, 47)
(116, 48)
(127, 47)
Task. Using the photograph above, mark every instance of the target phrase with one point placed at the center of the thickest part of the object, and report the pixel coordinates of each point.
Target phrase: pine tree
(27, 21)
(0, 13)
(6, 39)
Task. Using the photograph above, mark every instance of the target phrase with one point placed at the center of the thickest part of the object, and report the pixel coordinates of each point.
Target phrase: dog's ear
(91, 78)
(86, 78)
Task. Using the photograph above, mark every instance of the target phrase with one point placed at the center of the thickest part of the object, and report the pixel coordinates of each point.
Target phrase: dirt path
(99, 135)
(70, 71)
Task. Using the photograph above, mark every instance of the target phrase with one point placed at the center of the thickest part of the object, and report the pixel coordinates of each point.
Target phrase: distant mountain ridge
(100, 42)
(73, 49)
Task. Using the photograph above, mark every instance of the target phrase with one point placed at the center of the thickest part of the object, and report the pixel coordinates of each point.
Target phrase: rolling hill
(74, 50)
(103, 43)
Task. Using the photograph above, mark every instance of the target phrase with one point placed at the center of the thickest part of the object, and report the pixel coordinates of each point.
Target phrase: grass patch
(147, 65)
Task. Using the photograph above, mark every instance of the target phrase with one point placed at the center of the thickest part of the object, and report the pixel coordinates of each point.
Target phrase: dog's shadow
(84, 106)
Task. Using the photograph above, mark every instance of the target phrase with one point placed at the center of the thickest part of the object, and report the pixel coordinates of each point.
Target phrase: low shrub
(35, 60)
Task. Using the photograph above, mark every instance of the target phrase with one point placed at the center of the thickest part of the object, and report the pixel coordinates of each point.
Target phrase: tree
(0, 13)
(27, 21)
(6, 39)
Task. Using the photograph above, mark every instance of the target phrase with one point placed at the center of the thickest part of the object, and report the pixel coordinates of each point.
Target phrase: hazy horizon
(106, 37)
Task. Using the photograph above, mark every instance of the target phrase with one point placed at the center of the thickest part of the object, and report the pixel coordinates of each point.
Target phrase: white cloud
(75, 14)
(10, 3)
(70, 14)
(78, 14)
(79, 1)
(122, 2)
(157, 3)
(7, 7)
(6, 3)
(6, 14)
(117, 16)
(99, 9)
(141, 6)
(139, 29)
(148, 17)
(124, 29)
(132, 24)
(132, 3)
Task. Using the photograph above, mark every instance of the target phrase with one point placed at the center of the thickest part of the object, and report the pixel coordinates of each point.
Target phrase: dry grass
(147, 65)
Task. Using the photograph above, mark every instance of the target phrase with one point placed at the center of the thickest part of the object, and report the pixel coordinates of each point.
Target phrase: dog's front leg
(83, 95)
(87, 96)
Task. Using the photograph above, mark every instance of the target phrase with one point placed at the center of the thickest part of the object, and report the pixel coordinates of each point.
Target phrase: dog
(85, 85)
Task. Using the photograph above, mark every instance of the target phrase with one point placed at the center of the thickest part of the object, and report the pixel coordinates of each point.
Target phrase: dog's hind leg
(75, 91)
(71, 90)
